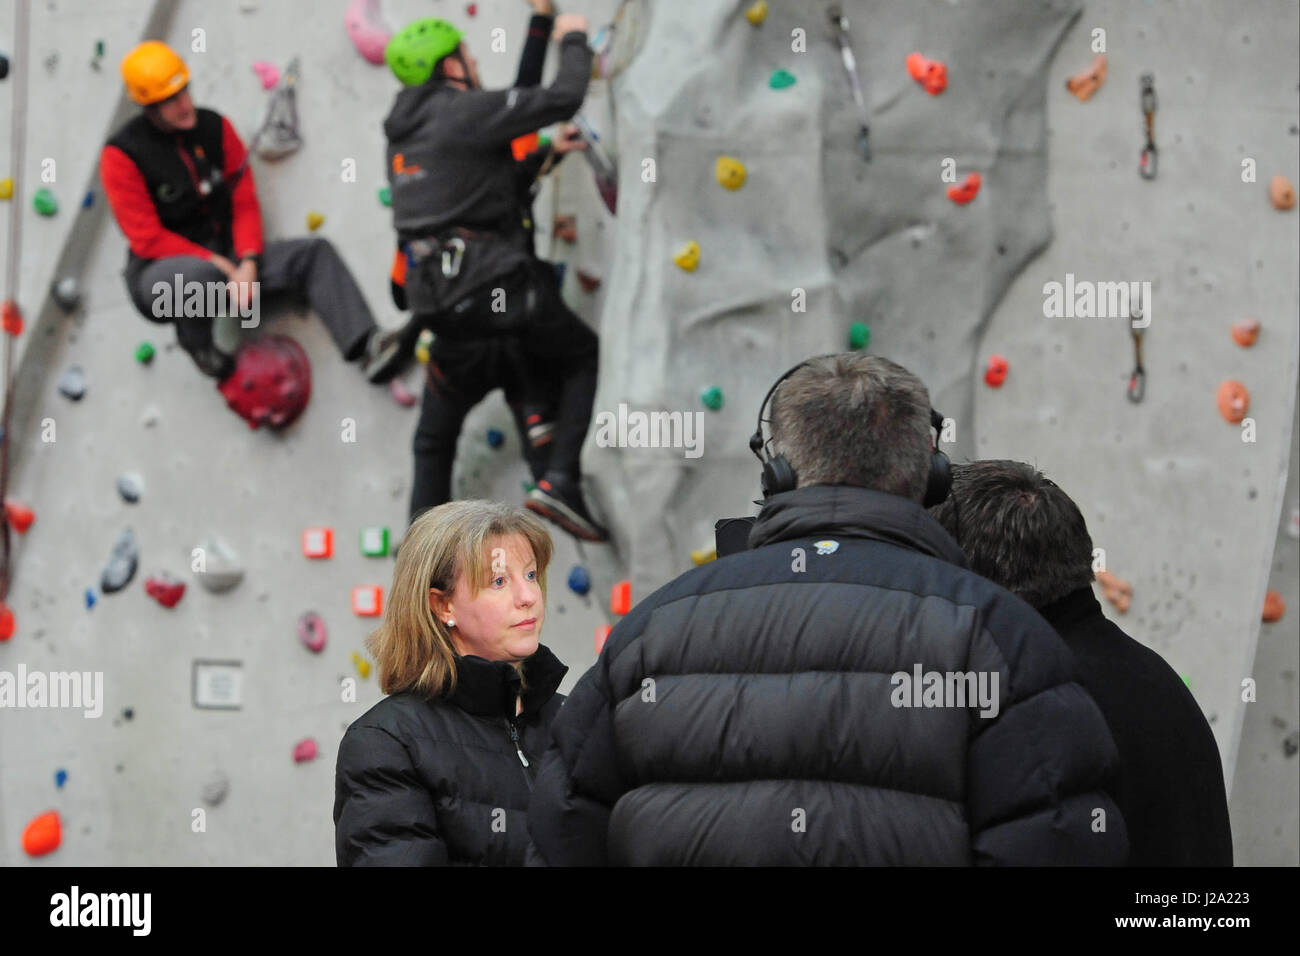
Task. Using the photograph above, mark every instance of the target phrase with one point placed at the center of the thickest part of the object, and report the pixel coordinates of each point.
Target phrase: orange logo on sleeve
(400, 167)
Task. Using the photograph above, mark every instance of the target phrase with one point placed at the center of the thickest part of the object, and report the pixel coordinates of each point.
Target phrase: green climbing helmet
(415, 50)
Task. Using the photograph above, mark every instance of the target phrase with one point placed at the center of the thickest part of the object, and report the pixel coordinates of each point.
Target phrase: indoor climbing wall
(219, 702)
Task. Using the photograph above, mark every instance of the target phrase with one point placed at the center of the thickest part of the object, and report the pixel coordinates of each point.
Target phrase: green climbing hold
(1186, 680)
(99, 48)
(385, 195)
(712, 398)
(781, 79)
(528, 486)
(144, 353)
(45, 203)
(859, 336)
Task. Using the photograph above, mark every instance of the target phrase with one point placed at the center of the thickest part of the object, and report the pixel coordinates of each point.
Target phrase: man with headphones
(845, 691)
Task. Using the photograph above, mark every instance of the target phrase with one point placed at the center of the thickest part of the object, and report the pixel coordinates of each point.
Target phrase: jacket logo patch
(400, 168)
(826, 547)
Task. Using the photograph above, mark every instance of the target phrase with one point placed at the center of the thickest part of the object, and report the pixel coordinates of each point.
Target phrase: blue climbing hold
(60, 778)
(90, 598)
(89, 200)
(579, 580)
(495, 438)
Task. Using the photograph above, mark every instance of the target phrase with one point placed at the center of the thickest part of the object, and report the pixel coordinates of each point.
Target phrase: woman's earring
(451, 623)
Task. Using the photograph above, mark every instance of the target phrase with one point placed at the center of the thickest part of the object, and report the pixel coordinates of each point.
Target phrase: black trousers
(547, 368)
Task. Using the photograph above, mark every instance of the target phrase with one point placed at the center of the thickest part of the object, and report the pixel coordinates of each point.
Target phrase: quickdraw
(840, 26)
(1137, 380)
(1147, 166)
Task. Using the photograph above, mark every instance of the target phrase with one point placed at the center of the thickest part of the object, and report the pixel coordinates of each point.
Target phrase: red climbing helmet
(271, 382)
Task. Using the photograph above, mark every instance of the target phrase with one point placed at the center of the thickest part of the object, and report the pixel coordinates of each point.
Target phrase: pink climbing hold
(996, 373)
(472, 10)
(311, 631)
(268, 73)
(304, 750)
(165, 589)
(965, 191)
(366, 27)
(401, 394)
(271, 383)
(931, 74)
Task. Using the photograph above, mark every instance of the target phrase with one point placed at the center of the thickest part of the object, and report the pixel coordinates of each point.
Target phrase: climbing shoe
(559, 499)
(384, 355)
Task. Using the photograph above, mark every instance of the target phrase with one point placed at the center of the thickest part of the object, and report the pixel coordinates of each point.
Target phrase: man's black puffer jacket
(744, 714)
(426, 781)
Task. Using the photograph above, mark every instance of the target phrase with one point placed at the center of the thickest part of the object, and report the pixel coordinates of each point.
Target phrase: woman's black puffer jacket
(437, 781)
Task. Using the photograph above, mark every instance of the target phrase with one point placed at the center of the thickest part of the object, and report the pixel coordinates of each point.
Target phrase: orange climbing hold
(1245, 332)
(1084, 84)
(996, 373)
(1117, 591)
(20, 517)
(620, 597)
(1274, 607)
(602, 635)
(1281, 193)
(964, 192)
(1234, 401)
(931, 74)
(318, 542)
(43, 835)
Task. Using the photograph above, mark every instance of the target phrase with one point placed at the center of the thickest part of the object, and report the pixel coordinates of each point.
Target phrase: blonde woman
(440, 771)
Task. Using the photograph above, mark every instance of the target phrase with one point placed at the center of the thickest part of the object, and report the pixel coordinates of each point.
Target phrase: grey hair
(855, 419)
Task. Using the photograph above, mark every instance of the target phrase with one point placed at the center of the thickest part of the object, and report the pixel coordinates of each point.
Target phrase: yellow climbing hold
(7, 188)
(730, 172)
(757, 13)
(362, 665)
(315, 220)
(701, 556)
(689, 257)
(422, 346)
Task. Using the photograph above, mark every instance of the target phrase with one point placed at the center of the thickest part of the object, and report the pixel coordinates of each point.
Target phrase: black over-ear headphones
(779, 476)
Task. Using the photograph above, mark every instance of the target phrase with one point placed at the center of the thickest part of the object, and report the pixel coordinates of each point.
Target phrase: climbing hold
(781, 80)
(495, 438)
(730, 172)
(996, 372)
(422, 346)
(1117, 591)
(374, 542)
(703, 556)
(1293, 526)
(271, 383)
(66, 293)
(122, 562)
(1281, 193)
(367, 29)
(268, 73)
(43, 835)
(361, 664)
(11, 317)
(712, 398)
(315, 220)
(304, 750)
(401, 394)
(528, 486)
(859, 336)
(1274, 607)
(472, 10)
(43, 202)
(965, 191)
(565, 228)
(165, 589)
(144, 353)
(318, 542)
(312, 631)
(4, 66)
(931, 74)
(19, 516)
(757, 12)
(602, 635)
(60, 778)
(7, 188)
(72, 383)
(90, 598)
(220, 568)
(215, 790)
(128, 714)
(385, 196)
(368, 601)
(689, 256)
(589, 282)
(620, 597)
(1087, 82)
(1234, 401)
(130, 486)
(1245, 332)
(88, 200)
(6, 622)
(579, 580)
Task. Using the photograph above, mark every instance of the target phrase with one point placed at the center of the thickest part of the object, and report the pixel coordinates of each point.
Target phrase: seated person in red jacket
(179, 184)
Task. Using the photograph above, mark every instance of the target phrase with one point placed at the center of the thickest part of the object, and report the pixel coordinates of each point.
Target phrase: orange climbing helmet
(153, 72)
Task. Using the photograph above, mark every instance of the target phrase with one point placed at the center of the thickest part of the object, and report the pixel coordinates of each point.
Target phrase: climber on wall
(472, 276)
(177, 179)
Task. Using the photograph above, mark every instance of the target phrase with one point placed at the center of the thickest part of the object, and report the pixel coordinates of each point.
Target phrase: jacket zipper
(514, 736)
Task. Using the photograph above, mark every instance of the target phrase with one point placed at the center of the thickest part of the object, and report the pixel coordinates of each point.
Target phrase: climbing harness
(1147, 167)
(1137, 380)
(840, 25)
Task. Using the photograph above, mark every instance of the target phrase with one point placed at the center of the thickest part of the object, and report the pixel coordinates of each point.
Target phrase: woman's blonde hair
(413, 647)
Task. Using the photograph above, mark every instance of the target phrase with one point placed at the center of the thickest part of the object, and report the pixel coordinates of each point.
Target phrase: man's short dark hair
(855, 419)
(1018, 529)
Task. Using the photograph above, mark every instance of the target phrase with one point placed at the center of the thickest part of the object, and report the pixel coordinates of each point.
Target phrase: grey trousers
(308, 269)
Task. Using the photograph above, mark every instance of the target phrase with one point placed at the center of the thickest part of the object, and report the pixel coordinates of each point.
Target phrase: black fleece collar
(850, 512)
(1077, 606)
(490, 688)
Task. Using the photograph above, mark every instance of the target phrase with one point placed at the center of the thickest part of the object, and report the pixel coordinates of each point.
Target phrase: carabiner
(452, 253)
(1147, 164)
(1137, 380)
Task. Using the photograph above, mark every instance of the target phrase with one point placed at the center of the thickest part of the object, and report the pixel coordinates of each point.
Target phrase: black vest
(181, 205)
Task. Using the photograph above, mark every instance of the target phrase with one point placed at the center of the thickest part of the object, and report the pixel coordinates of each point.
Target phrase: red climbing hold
(20, 517)
(931, 74)
(271, 383)
(165, 589)
(589, 282)
(304, 750)
(602, 635)
(472, 10)
(1234, 401)
(1245, 332)
(11, 317)
(996, 373)
(6, 622)
(964, 192)
(43, 835)
(620, 597)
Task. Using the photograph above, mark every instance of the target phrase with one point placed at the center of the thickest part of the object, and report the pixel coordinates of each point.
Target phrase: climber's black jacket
(424, 781)
(749, 713)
